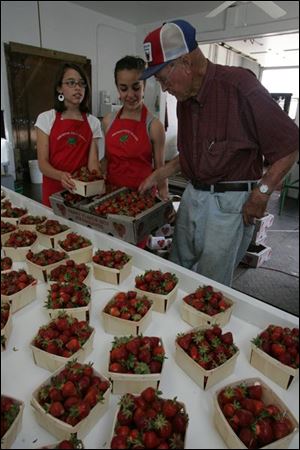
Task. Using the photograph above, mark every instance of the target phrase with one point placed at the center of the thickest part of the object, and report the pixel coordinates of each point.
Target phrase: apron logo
(124, 138)
(72, 140)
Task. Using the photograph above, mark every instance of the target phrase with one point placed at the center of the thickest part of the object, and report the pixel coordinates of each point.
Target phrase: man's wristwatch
(264, 188)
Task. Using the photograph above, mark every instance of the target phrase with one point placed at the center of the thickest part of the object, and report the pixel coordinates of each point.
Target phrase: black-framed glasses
(72, 83)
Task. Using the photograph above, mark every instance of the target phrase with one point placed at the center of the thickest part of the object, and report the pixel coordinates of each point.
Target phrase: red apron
(128, 151)
(69, 144)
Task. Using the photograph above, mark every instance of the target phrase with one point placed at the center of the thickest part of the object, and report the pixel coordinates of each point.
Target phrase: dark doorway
(31, 73)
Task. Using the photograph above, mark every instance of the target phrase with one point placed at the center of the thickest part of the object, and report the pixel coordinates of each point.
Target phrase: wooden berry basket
(204, 378)
(6, 330)
(116, 421)
(82, 255)
(200, 319)
(86, 281)
(117, 326)
(112, 276)
(123, 383)
(270, 398)
(161, 303)
(14, 220)
(18, 254)
(22, 298)
(51, 241)
(88, 188)
(10, 436)
(60, 429)
(42, 272)
(133, 383)
(80, 313)
(30, 227)
(272, 368)
(5, 236)
(52, 362)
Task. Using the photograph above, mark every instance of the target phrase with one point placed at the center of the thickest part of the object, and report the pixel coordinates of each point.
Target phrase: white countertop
(20, 376)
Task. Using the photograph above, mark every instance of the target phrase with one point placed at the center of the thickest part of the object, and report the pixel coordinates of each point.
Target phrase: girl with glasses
(67, 136)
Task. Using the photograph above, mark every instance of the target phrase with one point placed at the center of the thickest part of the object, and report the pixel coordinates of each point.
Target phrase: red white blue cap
(166, 43)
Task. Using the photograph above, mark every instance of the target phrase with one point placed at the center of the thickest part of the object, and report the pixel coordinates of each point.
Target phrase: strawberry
(247, 436)
(150, 439)
(170, 408)
(264, 432)
(149, 394)
(282, 428)
(255, 391)
(56, 409)
(69, 389)
(118, 442)
(227, 338)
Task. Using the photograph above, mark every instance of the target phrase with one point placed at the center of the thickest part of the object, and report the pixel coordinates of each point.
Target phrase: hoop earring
(61, 97)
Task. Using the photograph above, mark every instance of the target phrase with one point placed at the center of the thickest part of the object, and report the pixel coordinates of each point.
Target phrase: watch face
(263, 188)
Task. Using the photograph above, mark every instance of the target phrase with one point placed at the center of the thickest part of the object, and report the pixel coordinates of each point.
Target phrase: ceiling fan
(270, 8)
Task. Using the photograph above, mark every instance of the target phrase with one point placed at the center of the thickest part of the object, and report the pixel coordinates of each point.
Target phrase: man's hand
(255, 207)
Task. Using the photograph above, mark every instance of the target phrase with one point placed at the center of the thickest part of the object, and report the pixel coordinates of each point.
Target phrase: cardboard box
(6, 330)
(88, 188)
(269, 397)
(199, 319)
(272, 368)
(52, 362)
(204, 378)
(161, 303)
(110, 275)
(258, 255)
(10, 436)
(61, 429)
(22, 298)
(129, 229)
(260, 230)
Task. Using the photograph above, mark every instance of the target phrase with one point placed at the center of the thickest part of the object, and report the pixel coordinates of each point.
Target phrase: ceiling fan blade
(220, 8)
(271, 9)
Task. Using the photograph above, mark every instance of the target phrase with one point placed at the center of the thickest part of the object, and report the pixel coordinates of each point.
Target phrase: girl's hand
(148, 183)
(66, 181)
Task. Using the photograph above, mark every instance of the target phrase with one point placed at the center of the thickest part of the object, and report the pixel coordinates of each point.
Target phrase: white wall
(68, 28)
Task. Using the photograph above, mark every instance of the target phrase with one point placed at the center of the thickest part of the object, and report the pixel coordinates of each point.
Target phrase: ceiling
(268, 51)
(138, 13)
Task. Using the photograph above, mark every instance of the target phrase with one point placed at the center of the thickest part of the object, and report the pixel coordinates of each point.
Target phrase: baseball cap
(166, 43)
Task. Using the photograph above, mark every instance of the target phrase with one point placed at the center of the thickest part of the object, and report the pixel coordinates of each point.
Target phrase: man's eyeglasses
(164, 81)
(72, 83)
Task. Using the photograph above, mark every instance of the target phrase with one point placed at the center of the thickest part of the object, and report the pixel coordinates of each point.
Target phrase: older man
(228, 124)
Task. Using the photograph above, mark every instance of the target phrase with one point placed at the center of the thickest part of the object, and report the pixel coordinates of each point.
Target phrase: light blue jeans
(210, 237)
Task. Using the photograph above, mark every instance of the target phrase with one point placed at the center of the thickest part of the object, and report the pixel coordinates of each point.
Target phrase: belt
(246, 186)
